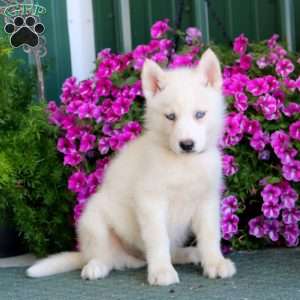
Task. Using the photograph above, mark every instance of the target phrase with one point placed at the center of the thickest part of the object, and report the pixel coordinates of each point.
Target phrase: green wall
(258, 19)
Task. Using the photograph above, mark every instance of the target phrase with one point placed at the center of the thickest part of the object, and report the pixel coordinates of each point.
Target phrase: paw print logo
(24, 31)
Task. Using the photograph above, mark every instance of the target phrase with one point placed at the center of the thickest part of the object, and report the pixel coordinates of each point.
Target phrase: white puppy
(160, 187)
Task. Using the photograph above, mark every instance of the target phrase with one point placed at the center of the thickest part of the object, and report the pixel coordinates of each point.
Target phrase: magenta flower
(271, 193)
(291, 171)
(271, 209)
(241, 102)
(78, 209)
(86, 110)
(87, 142)
(284, 67)
(73, 133)
(234, 124)
(291, 216)
(258, 86)
(134, 127)
(272, 42)
(289, 197)
(104, 145)
(77, 181)
(291, 109)
(256, 227)
(179, 60)
(229, 205)
(291, 234)
(193, 34)
(229, 165)
(159, 28)
(262, 62)
(269, 106)
(252, 126)
(121, 106)
(72, 159)
(229, 225)
(271, 229)
(245, 62)
(65, 146)
(259, 140)
(240, 44)
(294, 130)
(69, 90)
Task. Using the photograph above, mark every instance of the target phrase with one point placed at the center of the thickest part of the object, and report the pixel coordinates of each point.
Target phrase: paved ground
(269, 274)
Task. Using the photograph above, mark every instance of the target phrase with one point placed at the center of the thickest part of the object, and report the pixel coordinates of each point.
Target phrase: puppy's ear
(209, 70)
(153, 78)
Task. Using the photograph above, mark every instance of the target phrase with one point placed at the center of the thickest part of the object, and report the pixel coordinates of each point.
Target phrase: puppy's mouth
(189, 152)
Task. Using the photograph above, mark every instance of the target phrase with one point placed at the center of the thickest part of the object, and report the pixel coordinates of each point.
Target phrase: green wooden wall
(258, 19)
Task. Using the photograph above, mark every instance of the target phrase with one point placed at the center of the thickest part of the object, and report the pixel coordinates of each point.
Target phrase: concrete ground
(272, 274)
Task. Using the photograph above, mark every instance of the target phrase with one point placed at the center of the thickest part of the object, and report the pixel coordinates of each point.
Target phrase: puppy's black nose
(187, 145)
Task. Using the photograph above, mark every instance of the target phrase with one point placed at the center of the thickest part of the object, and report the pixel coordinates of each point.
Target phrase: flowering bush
(261, 140)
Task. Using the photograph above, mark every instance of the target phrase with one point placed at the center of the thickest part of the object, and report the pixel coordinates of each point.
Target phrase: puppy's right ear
(153, 78)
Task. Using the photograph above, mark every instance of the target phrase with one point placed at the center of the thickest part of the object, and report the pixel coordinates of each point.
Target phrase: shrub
(33, 190)
(261, 139)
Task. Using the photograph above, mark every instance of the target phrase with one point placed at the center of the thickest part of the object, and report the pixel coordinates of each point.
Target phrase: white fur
(153, 194)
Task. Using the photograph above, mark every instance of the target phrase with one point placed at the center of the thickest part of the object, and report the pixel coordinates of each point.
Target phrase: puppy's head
(185, 107)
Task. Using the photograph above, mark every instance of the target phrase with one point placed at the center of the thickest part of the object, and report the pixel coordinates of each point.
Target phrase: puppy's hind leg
(99, 246)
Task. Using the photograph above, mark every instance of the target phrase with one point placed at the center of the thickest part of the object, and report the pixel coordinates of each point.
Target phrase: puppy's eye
(200, 114)
(171, 116)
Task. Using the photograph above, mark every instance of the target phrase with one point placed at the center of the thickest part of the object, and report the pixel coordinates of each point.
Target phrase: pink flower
(258, 86)
(241, 102)
(291, 109)
(271, 193)
(291, 171)
(77, 181)
(291, 234)
(246, 61)
(271, 229)
(229, 165)
(73, 159)
(159, 28)
(259, 140)
(289, 197)
(229, 205)
(240, 44)
(193, 35)
(252, 126)
(291, 216)
(272, 42)
(65, 146)
(271, 209)
(284, 67)
(104, 145)
(294, 130)
(87, 141)
(256, 227)
(269, 106)
(234, 124)
(262, 62)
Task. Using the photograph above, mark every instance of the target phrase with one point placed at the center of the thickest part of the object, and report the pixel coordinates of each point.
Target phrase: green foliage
(33, 192)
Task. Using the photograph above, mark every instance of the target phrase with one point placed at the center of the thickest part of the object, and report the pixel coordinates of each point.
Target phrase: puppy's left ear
(209, 70)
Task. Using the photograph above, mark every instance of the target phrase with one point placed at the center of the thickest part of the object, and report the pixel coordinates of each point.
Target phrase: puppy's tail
(58, 263)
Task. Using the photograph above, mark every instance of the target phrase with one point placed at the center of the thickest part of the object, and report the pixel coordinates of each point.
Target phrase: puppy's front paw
(222, 268)
(163, 276)
(94, 270)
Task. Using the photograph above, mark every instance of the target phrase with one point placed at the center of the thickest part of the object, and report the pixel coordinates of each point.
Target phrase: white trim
(81, 37)
(126, 25)
(289, 23)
